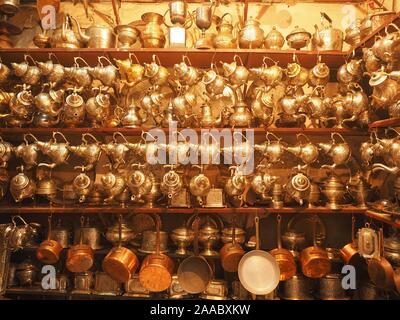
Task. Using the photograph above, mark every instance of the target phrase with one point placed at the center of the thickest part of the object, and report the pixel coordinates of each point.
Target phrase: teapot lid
(377, 78)
(108, 180)
(102, 99)
(74, 100)
(273, 32)
(82, 181)
(321, 70)
(300, 182)
(293, 69)
(298, 30)
(57, 95)
(20, 181)
(137, 178)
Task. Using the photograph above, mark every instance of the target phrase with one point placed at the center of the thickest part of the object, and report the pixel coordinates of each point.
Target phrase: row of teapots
(257, 106)
(139, 184)
(272, 149)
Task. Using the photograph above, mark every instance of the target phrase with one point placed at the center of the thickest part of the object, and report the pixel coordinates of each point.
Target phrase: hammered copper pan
(156, 271)
(283, 257)
(49, 250)
(120, 263)
(231, 253)
(349, 252)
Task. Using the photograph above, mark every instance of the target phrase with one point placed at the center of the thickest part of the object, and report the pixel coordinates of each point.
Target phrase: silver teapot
(116, 151)
(73, 113)
(50, 102)
(57, 151)
(82, 185)
(98, 108)
(298, 187)
(22, 187)
(139, 183)
(6, 151)
(90, 152)
(108, 74)
(113, 184)
(22, 103)
(334, 190)
(306, 151)
(199, 185)
(328, 38)
(339, 152)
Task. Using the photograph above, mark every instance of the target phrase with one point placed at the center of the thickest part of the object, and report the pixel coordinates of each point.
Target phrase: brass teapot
(171, 183)
(236, 72)
(90, 152)
(241, 116)
(6, 151)
(262, 182)
(305, 150)
(186, 73)
(334, 190)
(73, 112)
(133, 116)
(271, 76)
(130, 72)
(272, 150)
(22, 187)
(274, 40)
(108, 74)
(262, 107)
(226, 37)
(199, 185)
(57, 151)
(64, 36)
(53, 72)
(139, 182)
(299, 186)
(98, 108)
(50, 102)
(236, 186)
(79, 75)
(82, 185)
(327, 38)
(339, 152)
(251, 36)
(359, 189)
(116, 151)
(96, 35)
(28, 152)
(113, 184)
(207, 119)
(22, 103)
(157, 74)
(27, 73)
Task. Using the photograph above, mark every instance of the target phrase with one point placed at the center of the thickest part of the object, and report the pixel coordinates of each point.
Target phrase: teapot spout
(82, 36)
(381, 167)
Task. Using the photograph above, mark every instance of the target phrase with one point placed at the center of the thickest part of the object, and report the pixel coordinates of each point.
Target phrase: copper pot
(120, 263)
(80, 256)
(49, 250)
(380, 270)
(314, 260)
(283, 257)
(349, 252)
(156, 271)
(231, 253)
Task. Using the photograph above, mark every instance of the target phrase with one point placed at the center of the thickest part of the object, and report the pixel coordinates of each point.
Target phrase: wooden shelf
(382, 218)
(135, 210)
(138, 131)
(393, 122)
(169, 56)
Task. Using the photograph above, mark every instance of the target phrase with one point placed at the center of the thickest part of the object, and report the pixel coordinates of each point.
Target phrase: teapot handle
(115, 134)
(26, 135)
(60, 134)
(186, 59)
(337, 134)
(237, 57)
(87, 134)
(103, 58)
(26, 56)
(228, 14)
(238, 132)
(76, 59)
(52, 55)
(302, 135)
(20, 218)
(156, 59)
(270, 59)
(271, 134)
(147, 133)
(131, 54)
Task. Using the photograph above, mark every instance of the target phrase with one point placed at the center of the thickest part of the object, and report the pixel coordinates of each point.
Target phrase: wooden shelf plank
(393, 122)
(170, 56)
(381, 218)
(138, 131)
(135, 210)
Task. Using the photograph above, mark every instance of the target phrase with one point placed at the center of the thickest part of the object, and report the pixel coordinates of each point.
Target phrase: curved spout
(317, 38)
(82, 36)
(381, 167)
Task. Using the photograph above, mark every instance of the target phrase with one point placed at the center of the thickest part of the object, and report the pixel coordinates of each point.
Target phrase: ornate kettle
(22, 187)
(50, 102)
(113, 184)
(90, 152)
(79, 75)
(73, 113)
(156, 73)
(226, 37)
(306, 151)
(328, 38)
(140, 183)
(82, 185)
(171, 183)
(64, 36)
(262, 107)
(27, 73)
(262, 182)
(98, 107)
(199, 185)
(22, 103)
(299, 186)
(271, 76)
(241, 116)
(186, 73)
(53, 72)
(271, 150)
(57, 151)
(236, 185)
(132, 117)
(207, 119)
(116, 151)
(6, 151)
(339, 152)
(29, 153)
(108, 74)
(251, 36)
(130, 72)
(96, 35)
(334, 190)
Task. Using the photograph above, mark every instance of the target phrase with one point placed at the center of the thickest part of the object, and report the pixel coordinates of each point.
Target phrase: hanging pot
(349, 252)
(231, 253)
(49, 250)
(120, 263)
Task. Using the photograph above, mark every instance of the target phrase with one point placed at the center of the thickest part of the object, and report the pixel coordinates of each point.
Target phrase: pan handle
(257, 225)
(278, 231)
(353, 220)
(196, 236)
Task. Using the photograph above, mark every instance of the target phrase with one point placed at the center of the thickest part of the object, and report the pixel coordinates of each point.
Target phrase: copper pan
(283, 257)
(49, 250)
(231, 252)
(349, 252)
(195, 273)
(80, 256)
(396, 279)
(380, 270)
(314, 260)
(156, 271)
(120, 263)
